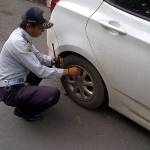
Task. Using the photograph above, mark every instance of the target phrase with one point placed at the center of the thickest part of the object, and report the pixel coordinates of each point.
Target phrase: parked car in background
(110, 41)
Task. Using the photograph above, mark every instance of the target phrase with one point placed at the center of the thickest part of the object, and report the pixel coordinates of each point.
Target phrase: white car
(110, 41)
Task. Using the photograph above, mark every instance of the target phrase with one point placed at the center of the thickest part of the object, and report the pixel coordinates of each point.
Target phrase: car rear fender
(66, 50)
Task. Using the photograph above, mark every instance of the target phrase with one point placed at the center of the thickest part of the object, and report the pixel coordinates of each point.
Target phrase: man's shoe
(19, 113)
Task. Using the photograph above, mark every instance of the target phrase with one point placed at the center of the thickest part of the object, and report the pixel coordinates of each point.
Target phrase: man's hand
(72, 72)
(58, 62)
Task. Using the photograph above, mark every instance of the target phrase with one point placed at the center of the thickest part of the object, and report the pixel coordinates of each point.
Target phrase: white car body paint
(121, 55)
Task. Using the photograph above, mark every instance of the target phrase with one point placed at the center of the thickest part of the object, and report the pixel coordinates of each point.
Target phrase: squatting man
(22, 67)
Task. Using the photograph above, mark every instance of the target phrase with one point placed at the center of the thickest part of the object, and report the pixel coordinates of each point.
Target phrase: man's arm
(28, 59)
(44, 59)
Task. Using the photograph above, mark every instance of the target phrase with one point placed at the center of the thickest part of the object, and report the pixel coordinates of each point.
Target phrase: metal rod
(54, 50)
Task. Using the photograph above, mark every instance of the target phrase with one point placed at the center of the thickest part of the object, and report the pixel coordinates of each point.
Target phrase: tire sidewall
(99, 92)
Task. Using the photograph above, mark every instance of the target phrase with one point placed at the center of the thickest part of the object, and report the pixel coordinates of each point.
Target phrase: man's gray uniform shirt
(19, 57)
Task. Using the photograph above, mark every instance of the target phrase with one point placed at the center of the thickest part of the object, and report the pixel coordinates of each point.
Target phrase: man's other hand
(72, 71)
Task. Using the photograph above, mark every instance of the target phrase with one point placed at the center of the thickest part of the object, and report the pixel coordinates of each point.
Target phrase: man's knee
(47, 96)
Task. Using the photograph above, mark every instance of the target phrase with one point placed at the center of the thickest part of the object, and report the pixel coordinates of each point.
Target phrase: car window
(140, 8)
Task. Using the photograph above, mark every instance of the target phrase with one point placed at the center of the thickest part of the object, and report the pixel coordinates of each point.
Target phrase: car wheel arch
(67, 53)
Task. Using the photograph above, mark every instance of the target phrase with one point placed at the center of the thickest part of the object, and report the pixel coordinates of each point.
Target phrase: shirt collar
(26, 36)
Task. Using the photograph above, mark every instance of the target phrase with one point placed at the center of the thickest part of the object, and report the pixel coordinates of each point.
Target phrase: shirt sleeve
(44, 59)
(27, 58)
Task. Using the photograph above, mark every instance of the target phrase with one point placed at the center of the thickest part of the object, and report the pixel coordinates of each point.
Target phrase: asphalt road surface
(66, 126)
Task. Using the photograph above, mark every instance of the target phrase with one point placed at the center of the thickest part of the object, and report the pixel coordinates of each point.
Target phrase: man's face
(35, 31)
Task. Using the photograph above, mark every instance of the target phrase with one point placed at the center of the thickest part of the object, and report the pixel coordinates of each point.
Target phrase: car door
(119, 33)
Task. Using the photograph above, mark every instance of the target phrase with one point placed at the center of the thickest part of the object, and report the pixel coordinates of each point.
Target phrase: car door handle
(112, 25)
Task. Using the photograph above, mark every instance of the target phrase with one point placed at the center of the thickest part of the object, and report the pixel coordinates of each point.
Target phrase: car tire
(87, 90)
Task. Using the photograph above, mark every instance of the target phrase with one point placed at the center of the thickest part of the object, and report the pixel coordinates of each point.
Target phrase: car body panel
(126, 65)
(71, 10)
(78, 28)
(71, 36)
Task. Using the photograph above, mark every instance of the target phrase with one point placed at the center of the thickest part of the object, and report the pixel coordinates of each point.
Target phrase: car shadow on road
(117, 117)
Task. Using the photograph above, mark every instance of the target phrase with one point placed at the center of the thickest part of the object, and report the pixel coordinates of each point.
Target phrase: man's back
(10, 67)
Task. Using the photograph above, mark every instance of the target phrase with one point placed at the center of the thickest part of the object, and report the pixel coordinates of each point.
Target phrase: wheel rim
(81, 87)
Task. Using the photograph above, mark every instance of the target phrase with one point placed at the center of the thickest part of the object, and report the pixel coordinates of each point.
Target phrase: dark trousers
(33, 99)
